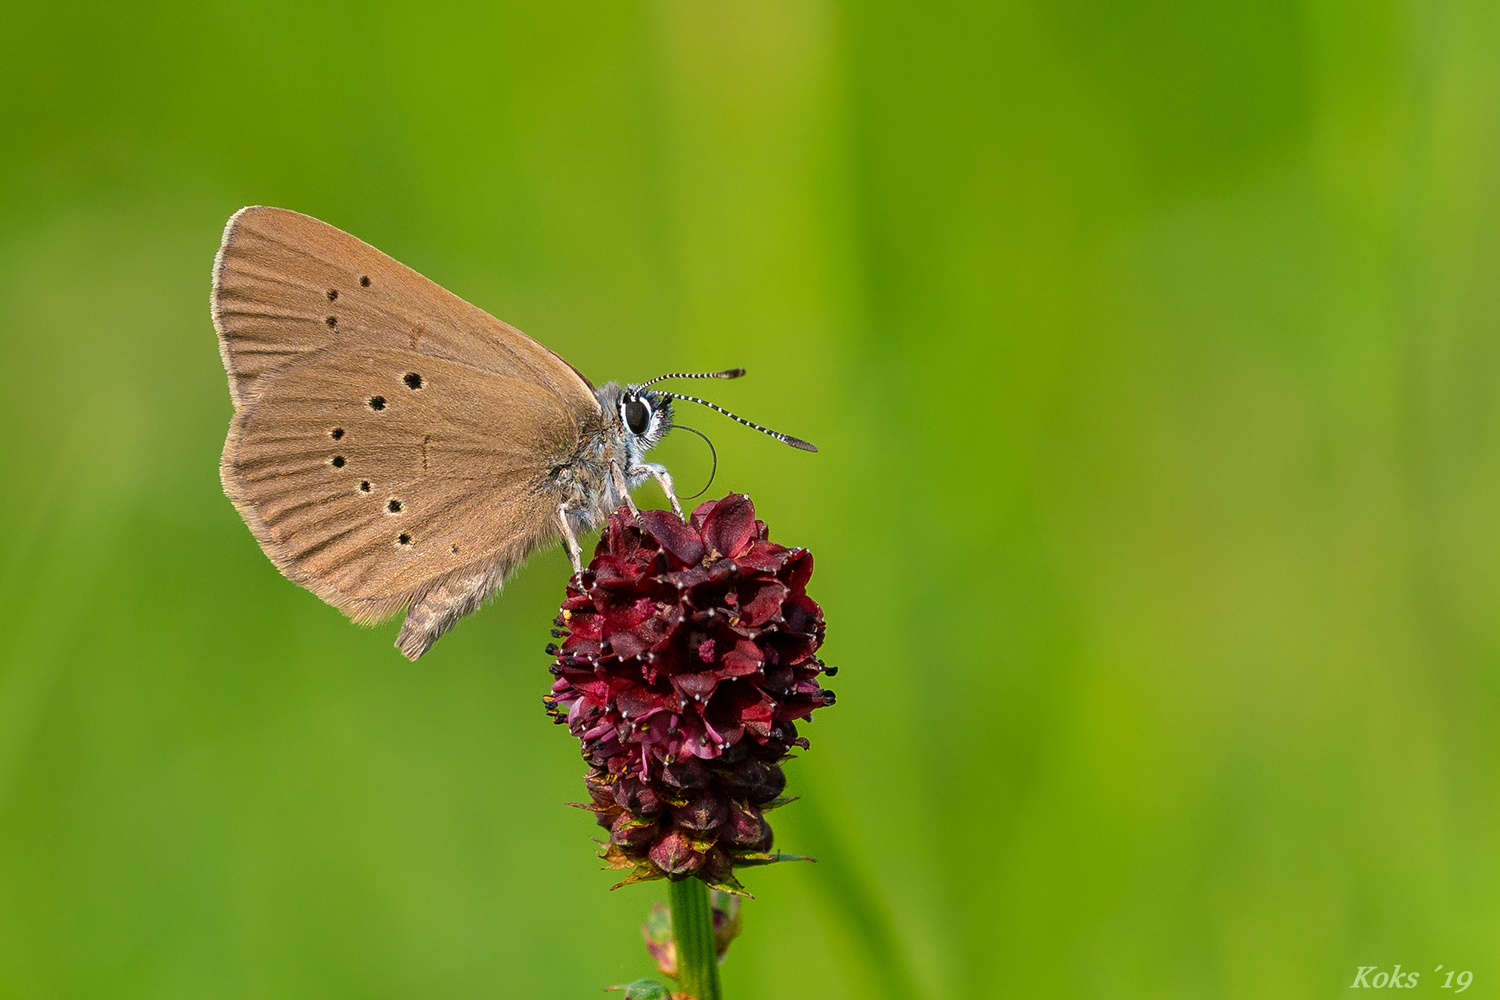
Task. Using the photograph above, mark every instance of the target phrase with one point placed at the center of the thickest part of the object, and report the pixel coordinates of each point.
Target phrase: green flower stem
(693, 927)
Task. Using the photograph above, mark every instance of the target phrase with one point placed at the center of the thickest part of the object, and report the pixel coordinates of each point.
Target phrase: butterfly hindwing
(368, 491)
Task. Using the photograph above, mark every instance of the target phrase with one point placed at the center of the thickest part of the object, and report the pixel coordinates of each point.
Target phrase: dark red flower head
(690, 653)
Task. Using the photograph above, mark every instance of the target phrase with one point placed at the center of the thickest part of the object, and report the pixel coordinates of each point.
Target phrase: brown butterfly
(394, 447)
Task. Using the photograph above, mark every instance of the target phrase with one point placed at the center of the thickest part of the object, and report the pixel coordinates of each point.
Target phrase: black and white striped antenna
(727, 373)
(795, 442)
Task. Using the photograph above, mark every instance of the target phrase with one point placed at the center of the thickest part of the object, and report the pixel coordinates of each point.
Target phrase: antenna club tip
(802, 445)
(731, 373)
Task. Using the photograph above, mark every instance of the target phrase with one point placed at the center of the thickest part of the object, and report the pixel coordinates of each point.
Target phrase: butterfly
(394, 447)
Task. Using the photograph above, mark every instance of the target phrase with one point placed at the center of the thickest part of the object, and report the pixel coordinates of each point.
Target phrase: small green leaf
(730, 885)
(762, 858)
(642, 873)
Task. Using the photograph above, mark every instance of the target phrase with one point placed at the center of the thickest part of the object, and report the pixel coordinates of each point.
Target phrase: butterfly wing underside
(392, 444)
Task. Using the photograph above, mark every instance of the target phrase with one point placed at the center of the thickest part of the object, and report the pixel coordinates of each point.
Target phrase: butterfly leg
(623, 487)
(569, 540)
(664, 480)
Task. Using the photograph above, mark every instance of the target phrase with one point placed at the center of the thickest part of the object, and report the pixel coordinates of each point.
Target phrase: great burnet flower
(689, 653)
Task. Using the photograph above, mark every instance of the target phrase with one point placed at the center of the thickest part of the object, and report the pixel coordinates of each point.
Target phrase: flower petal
(681, 540)
(730, 526)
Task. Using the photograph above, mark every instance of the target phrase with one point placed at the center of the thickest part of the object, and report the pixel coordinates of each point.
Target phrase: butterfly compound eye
(637, 415)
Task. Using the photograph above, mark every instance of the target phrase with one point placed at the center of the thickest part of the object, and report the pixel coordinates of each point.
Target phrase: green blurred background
(1153, 350)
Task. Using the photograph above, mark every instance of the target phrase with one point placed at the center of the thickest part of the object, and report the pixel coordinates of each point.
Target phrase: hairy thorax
(588, 477)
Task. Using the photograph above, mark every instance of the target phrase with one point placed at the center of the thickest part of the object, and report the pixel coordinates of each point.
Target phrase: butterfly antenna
(726, 373)
(711, 450)
(783, 438)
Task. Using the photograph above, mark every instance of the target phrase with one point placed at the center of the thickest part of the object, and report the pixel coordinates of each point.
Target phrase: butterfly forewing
(286, 285)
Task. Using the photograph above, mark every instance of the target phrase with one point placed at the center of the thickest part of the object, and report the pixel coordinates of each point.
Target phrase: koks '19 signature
(1372, 977)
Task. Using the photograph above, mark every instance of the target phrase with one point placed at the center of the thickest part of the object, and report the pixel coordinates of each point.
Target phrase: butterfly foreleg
(664, 480)
(623, 487)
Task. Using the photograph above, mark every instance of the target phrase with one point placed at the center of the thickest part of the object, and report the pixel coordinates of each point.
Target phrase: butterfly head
(646, 416)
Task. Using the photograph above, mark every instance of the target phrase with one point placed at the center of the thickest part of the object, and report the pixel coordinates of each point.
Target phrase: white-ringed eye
(637, 414)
